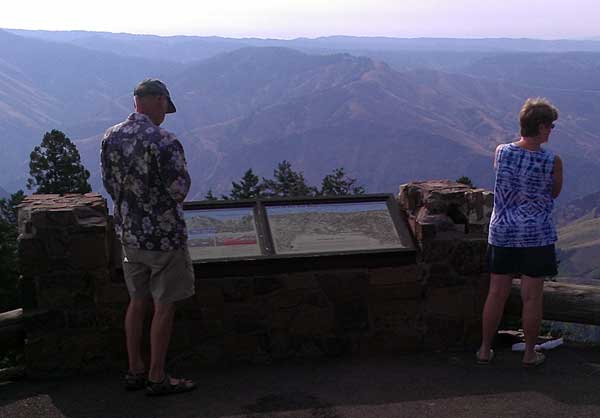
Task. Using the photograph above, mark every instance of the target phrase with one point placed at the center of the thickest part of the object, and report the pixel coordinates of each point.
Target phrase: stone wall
(75, 298)
(64, 259)
(450, 221)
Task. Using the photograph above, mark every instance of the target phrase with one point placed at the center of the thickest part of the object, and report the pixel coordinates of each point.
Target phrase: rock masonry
(74, 297)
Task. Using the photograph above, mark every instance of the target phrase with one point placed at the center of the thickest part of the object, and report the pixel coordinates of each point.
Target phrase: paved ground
(416, 386)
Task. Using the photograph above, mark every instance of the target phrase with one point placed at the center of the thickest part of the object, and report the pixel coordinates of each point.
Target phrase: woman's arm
(496, 157)
(558, 177)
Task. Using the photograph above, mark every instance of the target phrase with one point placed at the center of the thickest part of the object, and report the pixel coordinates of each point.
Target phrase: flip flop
(135, 381)
(166, 388)
(540, 358)
(481, 361)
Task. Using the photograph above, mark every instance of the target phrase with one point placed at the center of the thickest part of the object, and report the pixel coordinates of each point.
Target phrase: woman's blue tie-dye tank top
(522, 215)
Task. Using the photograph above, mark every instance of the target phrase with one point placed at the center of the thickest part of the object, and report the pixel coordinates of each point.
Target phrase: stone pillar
(64, 262)
(450, 222)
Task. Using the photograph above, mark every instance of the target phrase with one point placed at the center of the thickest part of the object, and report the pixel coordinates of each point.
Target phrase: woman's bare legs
(532, 294)
(500, 285)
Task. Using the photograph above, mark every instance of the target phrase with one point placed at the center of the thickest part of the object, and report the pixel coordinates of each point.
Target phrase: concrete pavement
(420, 385)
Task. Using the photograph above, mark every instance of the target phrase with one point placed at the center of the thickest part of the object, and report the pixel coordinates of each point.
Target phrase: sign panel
(221, 233)
(313, 228)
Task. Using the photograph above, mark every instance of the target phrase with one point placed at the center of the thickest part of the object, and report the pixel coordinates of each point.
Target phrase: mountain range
(194, 48)
(387, 110)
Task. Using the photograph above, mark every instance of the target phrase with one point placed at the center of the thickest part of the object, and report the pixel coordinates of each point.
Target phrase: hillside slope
(47, 85)
(254, 107)
(579, 237)
(579, 249)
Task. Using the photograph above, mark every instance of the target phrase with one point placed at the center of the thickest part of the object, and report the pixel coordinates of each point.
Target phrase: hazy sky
(312, 18)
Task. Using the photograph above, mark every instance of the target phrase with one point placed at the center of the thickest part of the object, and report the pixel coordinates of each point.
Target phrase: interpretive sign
(328, 227)
(221, 233)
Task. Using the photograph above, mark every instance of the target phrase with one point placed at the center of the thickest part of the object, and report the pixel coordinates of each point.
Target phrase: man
(145, 172)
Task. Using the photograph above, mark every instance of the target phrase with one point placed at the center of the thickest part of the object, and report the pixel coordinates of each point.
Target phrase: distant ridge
(182, 48)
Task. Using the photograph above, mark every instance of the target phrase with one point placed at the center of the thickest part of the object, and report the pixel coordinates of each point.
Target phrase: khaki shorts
(166, 275)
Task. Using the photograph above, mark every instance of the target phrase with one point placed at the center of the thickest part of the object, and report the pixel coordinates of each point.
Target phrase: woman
(522, 233)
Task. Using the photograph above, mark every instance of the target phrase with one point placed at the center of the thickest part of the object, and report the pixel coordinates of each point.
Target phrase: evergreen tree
(287, 183)
(8, 207)
(338, 184)
(210, 195)
(465, 180)
(8, 252)
(55, 166)
(247, 188)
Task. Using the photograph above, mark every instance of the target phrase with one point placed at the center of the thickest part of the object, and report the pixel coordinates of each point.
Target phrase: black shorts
(529, 261)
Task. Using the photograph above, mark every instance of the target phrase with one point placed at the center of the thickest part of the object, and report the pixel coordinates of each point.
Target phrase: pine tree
(210, 195)
(247, 188)
(55, 166)
(465, 180)
(8, 251)
(338, 184)
(287, 183)
(8, 207)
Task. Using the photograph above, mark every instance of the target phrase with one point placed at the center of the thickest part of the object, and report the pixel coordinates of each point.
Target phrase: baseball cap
(153, 86)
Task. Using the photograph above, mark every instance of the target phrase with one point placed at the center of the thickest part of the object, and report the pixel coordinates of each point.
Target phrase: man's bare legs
(532, 294)
(134, 323)
(160, 336)
(493, 310)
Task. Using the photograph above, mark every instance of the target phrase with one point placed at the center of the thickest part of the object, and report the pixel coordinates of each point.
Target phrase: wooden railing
(11, 329)
(12, 337)
(564, 302)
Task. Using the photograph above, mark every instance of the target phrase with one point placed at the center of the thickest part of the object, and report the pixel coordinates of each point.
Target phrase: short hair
(535, 112)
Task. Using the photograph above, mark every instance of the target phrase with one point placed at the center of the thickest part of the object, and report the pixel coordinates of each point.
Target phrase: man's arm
(558, 177)
(107, 180)
(173, 170)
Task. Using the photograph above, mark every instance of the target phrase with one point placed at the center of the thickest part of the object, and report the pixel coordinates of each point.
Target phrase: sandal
(166, 388)
(481, 361)
(135, 381)
(540, 358)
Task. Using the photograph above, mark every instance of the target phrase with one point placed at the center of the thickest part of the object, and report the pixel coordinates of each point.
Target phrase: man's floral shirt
(145, 173)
